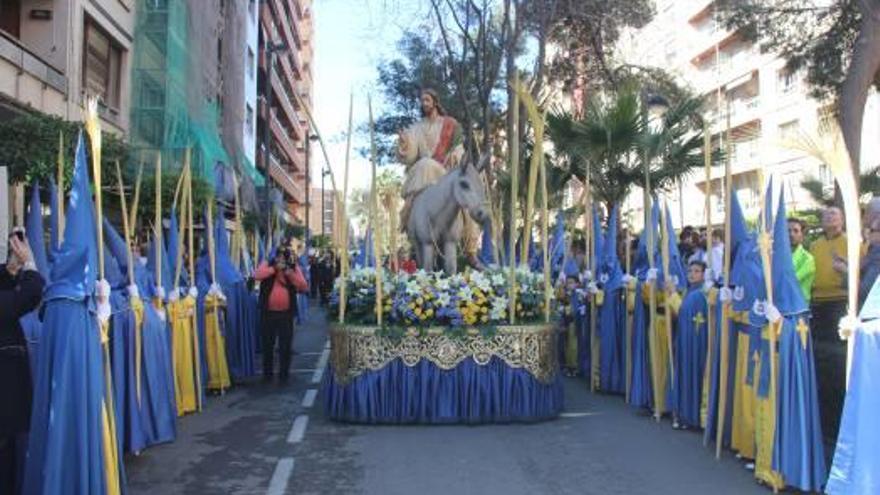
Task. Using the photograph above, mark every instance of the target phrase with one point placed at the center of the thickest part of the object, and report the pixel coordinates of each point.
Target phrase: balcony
(284, 18)
(284, 180)
(286, 105)
(26, 61)
(281, 137)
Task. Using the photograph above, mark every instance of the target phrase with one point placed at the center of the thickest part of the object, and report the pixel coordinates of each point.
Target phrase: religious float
(444, 351)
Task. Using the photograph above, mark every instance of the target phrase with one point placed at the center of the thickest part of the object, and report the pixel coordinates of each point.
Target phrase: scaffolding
(172, 107)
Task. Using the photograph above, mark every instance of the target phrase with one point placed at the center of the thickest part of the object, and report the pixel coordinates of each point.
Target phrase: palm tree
(613, 140)
(869, 182)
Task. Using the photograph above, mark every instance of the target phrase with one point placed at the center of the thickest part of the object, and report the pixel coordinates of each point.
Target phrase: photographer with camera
(279, 285)
(21, 289)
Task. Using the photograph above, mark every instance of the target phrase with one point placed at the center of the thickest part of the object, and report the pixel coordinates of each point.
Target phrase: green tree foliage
(30, 147)
(613, 140)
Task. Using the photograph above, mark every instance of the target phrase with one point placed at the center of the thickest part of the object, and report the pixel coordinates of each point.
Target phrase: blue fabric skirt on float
(469, 393)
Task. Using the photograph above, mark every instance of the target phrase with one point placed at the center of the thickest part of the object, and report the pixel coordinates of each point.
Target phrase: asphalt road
(256, 440)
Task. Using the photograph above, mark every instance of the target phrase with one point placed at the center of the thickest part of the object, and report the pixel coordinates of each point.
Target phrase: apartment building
(53, 54)
(752, 92)
(284, 82)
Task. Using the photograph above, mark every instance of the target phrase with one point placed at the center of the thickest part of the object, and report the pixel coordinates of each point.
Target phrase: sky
(351, 38)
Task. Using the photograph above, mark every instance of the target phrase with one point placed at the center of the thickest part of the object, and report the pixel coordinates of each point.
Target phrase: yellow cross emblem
(803, 330)
(698, 320)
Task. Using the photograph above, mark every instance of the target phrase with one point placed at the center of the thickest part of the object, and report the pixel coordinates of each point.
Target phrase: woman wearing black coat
(21, 289)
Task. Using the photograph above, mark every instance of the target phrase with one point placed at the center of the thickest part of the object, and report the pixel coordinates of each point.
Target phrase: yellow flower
(429, 312)
(484, 310)
(420, 301)
(485, 318)
(412, 306)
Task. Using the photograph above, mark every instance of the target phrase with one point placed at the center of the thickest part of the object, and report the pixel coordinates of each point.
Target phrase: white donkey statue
(436, 220)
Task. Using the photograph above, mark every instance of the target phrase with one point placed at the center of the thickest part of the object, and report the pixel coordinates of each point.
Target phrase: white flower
(443, 299)
(498, 279)
(466, 294)
(413, 288)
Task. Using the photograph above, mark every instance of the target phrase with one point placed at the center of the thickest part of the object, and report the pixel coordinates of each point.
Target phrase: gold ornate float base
(359, 349)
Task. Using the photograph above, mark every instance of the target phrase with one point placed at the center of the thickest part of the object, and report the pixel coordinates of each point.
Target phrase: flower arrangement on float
(433, 299)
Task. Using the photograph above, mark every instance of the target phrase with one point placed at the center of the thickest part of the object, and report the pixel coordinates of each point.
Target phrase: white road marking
(309, 399)
(298, 431)
(281, 476)
(577, 414)
(322, 363)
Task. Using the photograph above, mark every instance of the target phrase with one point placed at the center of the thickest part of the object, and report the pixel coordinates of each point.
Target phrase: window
(789, 130)
(102, 64)
(251, 65)
(249, 120)
(786, 81)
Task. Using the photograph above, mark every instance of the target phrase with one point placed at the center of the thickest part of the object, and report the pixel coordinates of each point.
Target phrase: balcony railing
(20, 56)
(280, 176)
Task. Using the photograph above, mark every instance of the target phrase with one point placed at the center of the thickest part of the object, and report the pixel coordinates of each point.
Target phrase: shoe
(676, 425)
(750, 466)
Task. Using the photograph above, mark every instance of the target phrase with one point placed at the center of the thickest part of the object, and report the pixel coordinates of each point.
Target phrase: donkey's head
(468, 189)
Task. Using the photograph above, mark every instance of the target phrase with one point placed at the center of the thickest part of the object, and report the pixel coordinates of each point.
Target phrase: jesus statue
(428, 149)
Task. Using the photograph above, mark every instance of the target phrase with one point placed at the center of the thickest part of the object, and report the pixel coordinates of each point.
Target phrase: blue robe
(856, 458)
(691, 342)
(66, 450)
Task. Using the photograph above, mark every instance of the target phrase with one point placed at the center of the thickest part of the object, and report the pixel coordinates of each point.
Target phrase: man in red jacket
(279, 285)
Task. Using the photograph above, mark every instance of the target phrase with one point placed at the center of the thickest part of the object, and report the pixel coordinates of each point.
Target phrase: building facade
(767, 106)
(55, 54)
(284, 84)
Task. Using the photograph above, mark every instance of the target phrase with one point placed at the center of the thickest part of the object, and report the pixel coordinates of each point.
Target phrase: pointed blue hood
(557, 243)
(156, 249)
(115, 257)
(676, 265)
(76, 264)
(610, 262)
(598, 239)
(172, 243)
(767, 214)
(787, 294)
(116, 245)
(739, 230)
(35, 232)
(641, 261)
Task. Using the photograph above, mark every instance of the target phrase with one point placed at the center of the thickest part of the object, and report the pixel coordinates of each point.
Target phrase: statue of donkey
(435, 222)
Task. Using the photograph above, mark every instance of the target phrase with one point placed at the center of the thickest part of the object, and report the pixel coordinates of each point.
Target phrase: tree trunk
(863, 68)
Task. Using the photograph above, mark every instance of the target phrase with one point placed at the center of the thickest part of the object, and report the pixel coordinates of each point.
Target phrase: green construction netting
(167, 114)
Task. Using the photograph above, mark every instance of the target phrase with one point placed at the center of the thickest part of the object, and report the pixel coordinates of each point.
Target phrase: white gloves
(133, 291)
(102, 293)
